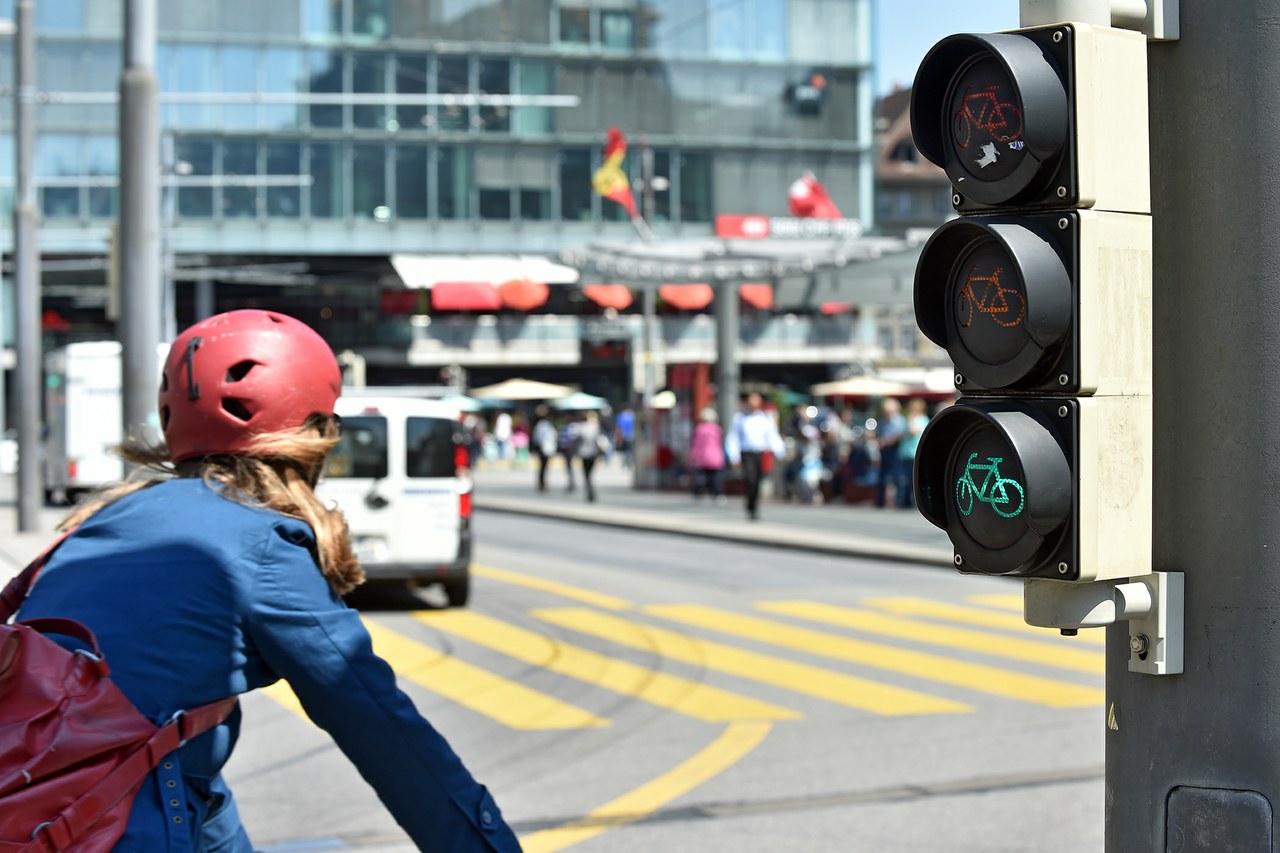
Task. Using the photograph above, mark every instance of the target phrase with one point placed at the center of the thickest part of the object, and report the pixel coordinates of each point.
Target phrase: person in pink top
(706, 456)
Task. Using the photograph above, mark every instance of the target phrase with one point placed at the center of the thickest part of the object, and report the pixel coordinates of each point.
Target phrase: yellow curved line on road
(733, 744)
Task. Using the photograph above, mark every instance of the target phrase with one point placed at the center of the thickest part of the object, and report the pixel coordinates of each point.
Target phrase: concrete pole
(26, 262)
(727, 334)
(140, 273)
(1191, 760)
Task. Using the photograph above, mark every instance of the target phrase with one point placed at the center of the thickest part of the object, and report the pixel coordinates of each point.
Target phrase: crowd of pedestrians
(810, 454)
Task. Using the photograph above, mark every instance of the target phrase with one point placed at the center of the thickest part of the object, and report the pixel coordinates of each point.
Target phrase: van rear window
(429, 447)
(361, 450)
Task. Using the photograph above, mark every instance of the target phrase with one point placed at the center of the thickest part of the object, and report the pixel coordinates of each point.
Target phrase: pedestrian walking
(917, 420)
(890, 431)
(218, 571)
(591, 445)
(706, 456)
(752, 434)
(567, 445)
(545, 442)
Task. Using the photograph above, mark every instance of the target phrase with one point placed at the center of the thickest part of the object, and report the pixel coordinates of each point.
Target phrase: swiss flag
(808, 198)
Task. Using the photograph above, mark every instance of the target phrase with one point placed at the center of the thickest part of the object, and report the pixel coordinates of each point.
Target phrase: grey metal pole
(1197, 750)
(727, 333)
(646, 439)
(26, 262)
(140, 273)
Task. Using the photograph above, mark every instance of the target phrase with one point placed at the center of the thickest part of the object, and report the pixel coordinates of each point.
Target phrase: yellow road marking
(700, 701)
(980, 617)
(810, 680)
(498, 698)
(283, 695)
(1032, 651)
(730, 747)
(575, 593)
(945, 670)
(1003, 601)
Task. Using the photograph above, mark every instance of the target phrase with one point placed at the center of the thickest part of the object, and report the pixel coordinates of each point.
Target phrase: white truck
(83, 415)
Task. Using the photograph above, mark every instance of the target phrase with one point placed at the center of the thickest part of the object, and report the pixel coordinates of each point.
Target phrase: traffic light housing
(1041, 294)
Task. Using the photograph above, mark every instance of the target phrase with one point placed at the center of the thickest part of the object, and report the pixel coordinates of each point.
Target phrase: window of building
(369, 18)
(575, 26)
(193, 68)
(617, 29)
(533, 77)
(412, 181)
(495, 204)
(369, 181)
(908, 334)
(904, 151)
(369, 77)
(193, 158)
(102, 153)
(575, 185)
(695, 187)
(284, 163)
(325, 165)
(535, 204)
(327, 73)
(239, 76)
(323, 18)
(58, 158)
(284, 71)
(453, 77)
(493, 77)
(61, 16)
(411, 79)
(239, 163)
(676, 27)
(453, 182)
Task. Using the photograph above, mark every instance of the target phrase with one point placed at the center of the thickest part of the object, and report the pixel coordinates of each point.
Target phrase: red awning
(609, 295)
(465, 296)
(836, 308)
(523, 294)
(757, 295)
(687, 297)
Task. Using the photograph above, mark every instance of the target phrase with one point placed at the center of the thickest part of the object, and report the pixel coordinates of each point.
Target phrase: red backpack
(73, 749)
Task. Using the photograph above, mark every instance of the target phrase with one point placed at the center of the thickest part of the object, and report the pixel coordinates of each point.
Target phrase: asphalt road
(621, 690)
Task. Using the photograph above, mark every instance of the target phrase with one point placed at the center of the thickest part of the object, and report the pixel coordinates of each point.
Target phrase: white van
(400, 475)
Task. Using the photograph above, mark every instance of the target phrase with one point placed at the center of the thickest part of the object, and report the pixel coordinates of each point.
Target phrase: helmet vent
(240, 370)
(236, 408)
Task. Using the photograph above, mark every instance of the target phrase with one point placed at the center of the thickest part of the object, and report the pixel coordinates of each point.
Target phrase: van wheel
(457, 591)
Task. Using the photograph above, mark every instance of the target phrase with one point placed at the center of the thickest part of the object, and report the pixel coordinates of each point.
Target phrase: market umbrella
(860, 386)
(580, 401)
(521, 389)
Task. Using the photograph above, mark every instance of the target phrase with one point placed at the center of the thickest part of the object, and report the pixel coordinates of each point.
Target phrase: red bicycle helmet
(240, 374)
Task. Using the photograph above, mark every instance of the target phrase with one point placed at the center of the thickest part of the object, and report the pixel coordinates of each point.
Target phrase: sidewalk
(857, 531)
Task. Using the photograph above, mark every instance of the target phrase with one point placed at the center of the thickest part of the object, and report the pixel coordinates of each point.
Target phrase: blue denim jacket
(194, 597)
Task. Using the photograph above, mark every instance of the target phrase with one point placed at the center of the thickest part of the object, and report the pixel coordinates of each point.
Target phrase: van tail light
(73, 468)
(462, 471)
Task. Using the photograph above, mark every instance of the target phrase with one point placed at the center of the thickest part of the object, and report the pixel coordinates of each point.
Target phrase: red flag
(609, 180)
(808, 198)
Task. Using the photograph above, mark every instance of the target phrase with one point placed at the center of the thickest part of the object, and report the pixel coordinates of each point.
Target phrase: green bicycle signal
(997, 491)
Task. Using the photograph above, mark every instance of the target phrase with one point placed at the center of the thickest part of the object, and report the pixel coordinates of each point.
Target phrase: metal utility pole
(1191, 761)
(140, 273)
(727, 332)
(26, 263)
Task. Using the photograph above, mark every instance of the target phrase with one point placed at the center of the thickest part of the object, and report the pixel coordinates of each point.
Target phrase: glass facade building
(305, 129)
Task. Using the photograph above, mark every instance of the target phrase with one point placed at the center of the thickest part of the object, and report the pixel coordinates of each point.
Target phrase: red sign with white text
(749, 227)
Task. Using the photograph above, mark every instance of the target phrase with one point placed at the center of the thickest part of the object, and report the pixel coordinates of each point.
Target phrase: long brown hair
(279, 471)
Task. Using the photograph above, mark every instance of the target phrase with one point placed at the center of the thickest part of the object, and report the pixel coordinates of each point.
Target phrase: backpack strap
(16, 590)
(58, 834)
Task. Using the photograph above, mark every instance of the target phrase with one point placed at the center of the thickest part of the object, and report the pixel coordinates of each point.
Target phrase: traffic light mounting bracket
(1151, 604)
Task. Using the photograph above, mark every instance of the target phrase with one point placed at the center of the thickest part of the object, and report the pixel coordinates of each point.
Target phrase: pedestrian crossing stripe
(979, 617)
(564, 590)
(700, 701)
(937, 668)
(1002, 601)
(848, 690)
(493, 696)
(1030, 651)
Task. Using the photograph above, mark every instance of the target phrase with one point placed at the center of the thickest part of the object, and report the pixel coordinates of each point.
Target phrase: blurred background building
(382, 168)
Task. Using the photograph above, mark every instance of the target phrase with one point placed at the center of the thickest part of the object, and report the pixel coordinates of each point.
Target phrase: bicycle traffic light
(1041, 294)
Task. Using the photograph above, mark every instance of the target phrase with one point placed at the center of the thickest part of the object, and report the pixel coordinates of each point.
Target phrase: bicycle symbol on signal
(1004, 305)
(984, 111)
(998, 493)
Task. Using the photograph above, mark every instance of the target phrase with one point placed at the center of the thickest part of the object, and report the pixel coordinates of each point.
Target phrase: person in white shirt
(752, 434)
